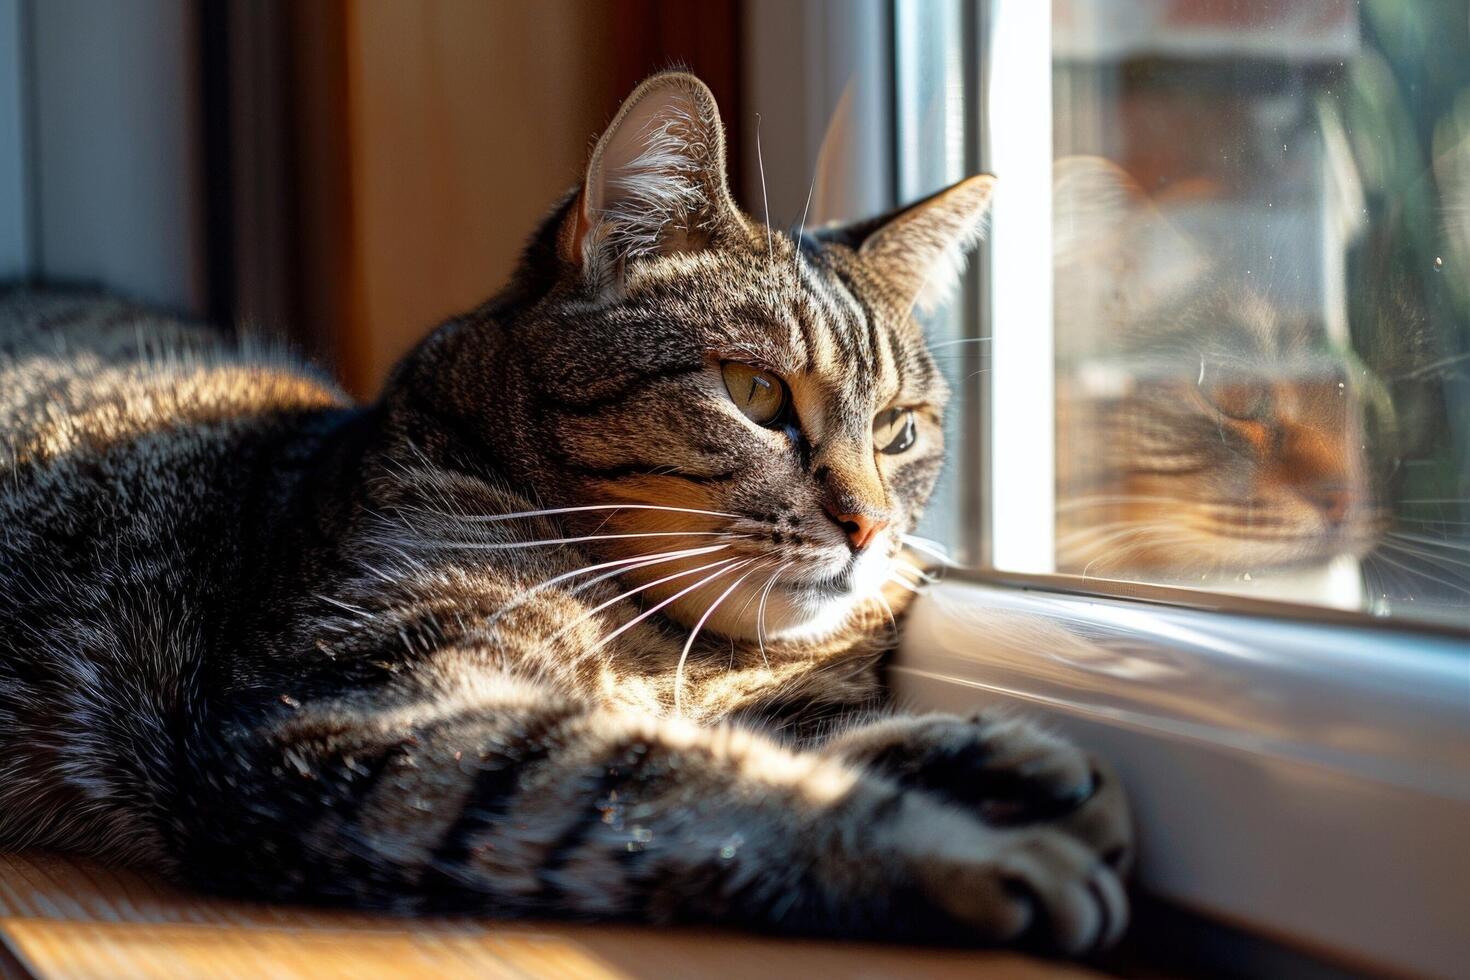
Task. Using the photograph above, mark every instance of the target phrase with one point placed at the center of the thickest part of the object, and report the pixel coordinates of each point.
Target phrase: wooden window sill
(64, 917)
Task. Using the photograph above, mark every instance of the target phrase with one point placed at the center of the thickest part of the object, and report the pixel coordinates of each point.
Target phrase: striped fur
(551, 628)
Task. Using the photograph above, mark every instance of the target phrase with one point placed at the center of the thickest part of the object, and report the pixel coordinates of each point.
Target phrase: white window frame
(1298, 773)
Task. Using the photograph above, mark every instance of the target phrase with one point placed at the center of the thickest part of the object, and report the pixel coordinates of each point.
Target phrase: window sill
(1307, 780)
(64, 916)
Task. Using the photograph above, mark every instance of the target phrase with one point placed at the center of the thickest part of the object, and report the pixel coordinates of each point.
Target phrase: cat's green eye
(894, 430)
(759, 394)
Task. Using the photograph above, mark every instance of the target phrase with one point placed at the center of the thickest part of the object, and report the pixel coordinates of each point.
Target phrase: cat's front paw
(1007, 771)
(1037, 886)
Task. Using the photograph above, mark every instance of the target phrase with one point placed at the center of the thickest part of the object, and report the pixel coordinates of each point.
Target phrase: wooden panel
(705, 38)
(467, 121)
(62, 917)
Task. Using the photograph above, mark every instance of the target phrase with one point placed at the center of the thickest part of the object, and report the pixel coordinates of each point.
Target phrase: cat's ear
(1115, 249)
(919, 251)
(655, 183)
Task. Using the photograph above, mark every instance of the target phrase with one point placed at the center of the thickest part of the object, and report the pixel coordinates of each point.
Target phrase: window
(1210, 499)
(1226, 330)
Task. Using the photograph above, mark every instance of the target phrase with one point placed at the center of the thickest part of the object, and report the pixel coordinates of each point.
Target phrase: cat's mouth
(857, 575)
(837, 584)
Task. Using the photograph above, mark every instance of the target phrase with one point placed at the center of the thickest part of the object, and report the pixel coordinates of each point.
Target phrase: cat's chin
(801, 610)
(802, 616)
(792, 615)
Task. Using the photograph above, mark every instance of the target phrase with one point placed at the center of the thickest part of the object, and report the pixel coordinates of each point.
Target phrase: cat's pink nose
(859, 528)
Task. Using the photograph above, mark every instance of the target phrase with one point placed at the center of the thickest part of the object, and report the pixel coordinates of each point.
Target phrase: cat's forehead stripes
(795, 315)
(861, 348)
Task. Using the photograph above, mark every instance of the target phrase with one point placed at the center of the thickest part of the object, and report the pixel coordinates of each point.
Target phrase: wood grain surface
(63, 917)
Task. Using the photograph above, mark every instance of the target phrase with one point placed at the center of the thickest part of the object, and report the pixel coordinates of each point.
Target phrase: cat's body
(282, 645)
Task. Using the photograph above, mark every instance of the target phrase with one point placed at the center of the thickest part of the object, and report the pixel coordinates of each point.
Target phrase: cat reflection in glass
(1205, 436)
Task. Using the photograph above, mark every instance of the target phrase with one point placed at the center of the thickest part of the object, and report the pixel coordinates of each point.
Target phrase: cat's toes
(1079, 902)
(1041, 887)
(1104, 821)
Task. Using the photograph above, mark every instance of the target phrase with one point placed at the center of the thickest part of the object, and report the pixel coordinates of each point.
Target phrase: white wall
(14, 234)
(116, 147)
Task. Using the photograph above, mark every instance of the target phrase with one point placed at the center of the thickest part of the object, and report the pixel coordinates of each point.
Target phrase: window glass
(1261, 298)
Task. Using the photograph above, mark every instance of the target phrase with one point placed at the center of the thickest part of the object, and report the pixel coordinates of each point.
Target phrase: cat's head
(761, 400)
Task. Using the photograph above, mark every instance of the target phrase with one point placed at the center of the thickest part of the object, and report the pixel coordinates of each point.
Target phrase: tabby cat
(1202, 431)
(584, 616)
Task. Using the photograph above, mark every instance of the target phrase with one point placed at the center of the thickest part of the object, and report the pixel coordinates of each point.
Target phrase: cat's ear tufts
(655, 183)
(919, 251)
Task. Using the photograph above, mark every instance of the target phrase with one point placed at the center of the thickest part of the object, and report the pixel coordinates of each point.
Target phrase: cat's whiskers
(725, 567)
(1133, 535)
(902, 567)
(760, 615)
(1450, 544)
(1437, 559)
(955, 343)
(1106, 531)
(931, 548)
(746, 607)
(519, 515)
(577, 539)
(1431, 367)
(910, 568)
(689, 643)
(1436, 521)
(1422, 573)
(801, 227)
(760, 162)
(620, 566)
(904, 583)
(634, 591)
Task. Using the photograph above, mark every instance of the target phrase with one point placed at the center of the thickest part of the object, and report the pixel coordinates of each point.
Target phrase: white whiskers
(801, 228)
(620, 566)
(760, 615)
(578, 539)
(760, 162)
(490, 518)
(634, 591)
(689, 643)
(673, 598)
(931, 548)
(911, 569)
